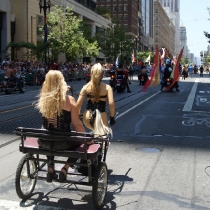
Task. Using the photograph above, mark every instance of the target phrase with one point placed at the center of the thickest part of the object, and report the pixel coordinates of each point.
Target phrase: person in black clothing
(201, 71)
(124, 74)
(166, 75)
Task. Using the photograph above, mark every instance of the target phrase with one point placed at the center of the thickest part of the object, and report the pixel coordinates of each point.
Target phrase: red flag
(176, 69)
(154, 74)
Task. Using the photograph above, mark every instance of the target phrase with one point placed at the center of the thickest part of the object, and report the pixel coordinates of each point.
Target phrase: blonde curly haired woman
(58, 111)
(97, 93)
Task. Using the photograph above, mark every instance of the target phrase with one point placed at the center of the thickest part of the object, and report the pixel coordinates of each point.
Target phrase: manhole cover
(148, 149)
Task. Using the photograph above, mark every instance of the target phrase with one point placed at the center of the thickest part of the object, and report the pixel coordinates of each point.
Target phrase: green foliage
(206, 34)
(106, 13)
(144, 55)
(185, 61)
(114, 43)
(65, 34)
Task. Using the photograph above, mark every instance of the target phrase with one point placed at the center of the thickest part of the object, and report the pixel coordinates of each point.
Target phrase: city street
(158, 158)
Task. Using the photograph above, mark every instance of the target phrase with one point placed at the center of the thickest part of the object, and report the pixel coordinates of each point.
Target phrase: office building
(164, 30)
(28, 20)
(174, 8)
(7, 25)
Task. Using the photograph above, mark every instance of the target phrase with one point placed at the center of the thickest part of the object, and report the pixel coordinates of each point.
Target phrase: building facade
(7, 25)
(183, 39)
(174, 8)
(147, 25)
(28, 20)
(164, 30)
(125, 11)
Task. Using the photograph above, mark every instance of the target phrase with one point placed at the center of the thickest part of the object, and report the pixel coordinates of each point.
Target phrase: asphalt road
(156, 160)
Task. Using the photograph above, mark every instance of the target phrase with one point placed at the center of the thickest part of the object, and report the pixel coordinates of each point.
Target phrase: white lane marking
(120, 115)
(190, 100)
(11, 205)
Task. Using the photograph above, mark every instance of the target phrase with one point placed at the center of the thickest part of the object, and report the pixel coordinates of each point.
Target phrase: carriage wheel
(24, 183)
(100, 183)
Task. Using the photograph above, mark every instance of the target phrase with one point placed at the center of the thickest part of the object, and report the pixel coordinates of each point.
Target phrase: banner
(154, 74)
(176, 69)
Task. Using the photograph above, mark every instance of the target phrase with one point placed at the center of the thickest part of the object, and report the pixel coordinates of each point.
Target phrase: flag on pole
(155, 73)
(176, 69)
(117, 61)
(148, 59)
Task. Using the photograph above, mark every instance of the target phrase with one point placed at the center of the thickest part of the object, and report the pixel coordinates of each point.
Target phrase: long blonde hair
(53, 95)
(96, 77)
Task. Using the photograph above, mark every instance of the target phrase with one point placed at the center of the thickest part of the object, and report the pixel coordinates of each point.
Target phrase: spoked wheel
(100, 183)
(24, 182)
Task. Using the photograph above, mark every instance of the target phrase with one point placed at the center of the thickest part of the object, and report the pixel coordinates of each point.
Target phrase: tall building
(147, 25)
(29, 20)
(164, 30)
(183, 39)
(125, 11)
(7, 25)
(136, 16)
(174, 7)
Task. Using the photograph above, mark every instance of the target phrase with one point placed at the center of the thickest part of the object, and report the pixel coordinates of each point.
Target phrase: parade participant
(58, 110)
(10, 72)
(184, 72)
(121, 72)
(201, 71)
(190, 70)
(97, 94)
(167, 74)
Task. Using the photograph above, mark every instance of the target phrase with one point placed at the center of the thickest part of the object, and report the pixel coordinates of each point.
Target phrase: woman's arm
(77, 124)
(80, 100)
(111, 101)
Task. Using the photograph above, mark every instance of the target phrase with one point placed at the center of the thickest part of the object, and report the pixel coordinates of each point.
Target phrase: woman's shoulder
(106, 86)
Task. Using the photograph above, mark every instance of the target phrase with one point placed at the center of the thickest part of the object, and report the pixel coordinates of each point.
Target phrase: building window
(115, 8)
(125, 17)
(108, 0)
(121, 8)
(125, 7)
(102, 0)
(120, 17)
(156, 40)
(156, 17)
(156, 11)
(108, 7)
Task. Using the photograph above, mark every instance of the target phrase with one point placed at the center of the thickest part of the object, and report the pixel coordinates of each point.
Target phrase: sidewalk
(7, 138)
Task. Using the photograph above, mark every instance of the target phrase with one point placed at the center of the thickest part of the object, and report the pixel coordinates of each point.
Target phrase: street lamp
(43, 4)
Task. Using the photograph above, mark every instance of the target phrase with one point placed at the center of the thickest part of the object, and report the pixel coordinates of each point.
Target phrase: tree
(207, 35)
(185, 61)
(143, 55)
(114, 42)
(65, 34)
